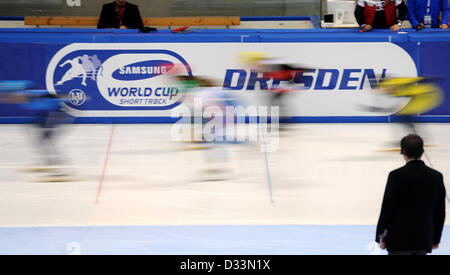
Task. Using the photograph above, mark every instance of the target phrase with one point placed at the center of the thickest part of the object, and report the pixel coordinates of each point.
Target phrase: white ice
(331, 174)
(327, 180)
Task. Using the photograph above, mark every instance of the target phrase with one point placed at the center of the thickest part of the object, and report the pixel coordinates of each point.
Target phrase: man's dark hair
(412, 146)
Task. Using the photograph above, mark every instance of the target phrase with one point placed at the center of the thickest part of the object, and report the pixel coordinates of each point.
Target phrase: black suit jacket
(109, 17)
(413, 209)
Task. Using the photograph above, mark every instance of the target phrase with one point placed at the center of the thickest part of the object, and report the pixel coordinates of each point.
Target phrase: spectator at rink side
(426, 13)
(120, 14)
(413, 210)
(380, 14)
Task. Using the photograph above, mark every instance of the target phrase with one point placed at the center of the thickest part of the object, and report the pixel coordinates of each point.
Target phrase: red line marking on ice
(105, 165)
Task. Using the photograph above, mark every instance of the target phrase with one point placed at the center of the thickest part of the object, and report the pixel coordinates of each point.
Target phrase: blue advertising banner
(123, 76)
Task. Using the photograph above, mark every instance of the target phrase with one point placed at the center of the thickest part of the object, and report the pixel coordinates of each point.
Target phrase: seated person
(425, 13)
(120, 14)
(380, 14)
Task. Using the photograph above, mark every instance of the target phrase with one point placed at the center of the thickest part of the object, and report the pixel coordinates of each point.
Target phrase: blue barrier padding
(49, 38)
(334, 37)
(181, 38)
(12, 18)
(429, 35)
(15, 85)
(27, 31)
(197, 36)
(330, 119)
(435, 64)
(125, 120)
(340, 119)
(428, 119)
(36, 46)
(170, 120)
(18, 120)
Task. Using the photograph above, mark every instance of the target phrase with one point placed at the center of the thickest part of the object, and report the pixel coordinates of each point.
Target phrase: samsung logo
(142, 70)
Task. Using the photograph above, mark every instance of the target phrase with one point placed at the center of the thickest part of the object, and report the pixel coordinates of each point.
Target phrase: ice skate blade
(398, 149)
(196, 148)
(37, 170)
(213, 180)
(56, 180)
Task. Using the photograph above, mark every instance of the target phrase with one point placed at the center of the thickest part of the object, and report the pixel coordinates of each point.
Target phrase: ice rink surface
(132, 190)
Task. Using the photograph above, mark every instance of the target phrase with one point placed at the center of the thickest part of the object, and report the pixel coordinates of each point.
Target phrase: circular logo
(77, 97)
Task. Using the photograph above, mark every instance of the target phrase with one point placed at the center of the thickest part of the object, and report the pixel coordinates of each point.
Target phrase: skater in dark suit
(120, 15)
(413, 210)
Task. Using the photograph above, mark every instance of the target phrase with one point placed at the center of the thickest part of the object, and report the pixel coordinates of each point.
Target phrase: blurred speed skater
(48, 114)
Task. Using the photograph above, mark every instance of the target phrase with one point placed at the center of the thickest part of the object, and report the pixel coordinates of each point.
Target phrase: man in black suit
(413, 210)
(120, 14)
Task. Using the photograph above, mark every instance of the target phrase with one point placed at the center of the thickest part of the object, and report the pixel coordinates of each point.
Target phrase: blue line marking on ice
(204, 240)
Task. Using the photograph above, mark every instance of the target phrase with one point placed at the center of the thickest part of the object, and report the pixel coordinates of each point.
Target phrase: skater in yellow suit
(424, 96)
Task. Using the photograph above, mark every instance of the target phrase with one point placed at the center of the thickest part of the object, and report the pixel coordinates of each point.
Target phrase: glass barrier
(338, 14)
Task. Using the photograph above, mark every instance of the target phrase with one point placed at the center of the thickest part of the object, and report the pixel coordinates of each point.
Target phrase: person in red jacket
(380, 14)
